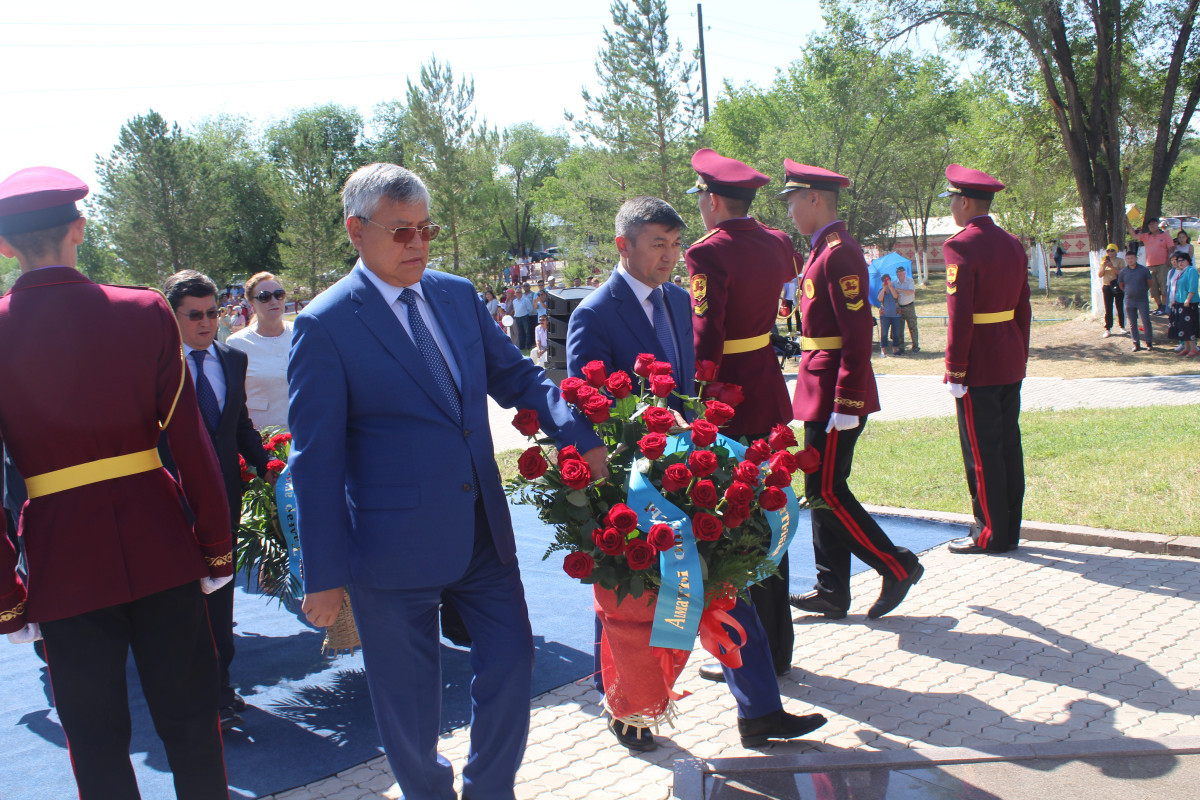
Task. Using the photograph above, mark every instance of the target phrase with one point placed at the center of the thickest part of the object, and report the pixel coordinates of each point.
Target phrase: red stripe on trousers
(843, 515)
(980, 487)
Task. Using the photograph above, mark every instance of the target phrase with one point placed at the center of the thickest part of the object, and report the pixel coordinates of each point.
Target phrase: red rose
(704, 494)
(661, 537)
(610, 541)
(526, 421)
(778, 477)
(676, 477)
(735, 516)
(279, 440)
(652, 445)
(718, 413)
(532, 464)
(583, 393)
(706, 527)
(622, 517)
(702, 463)
(704, 433)
(597, 408)
(570, 389)
(758, 451)
(619, 384)
(740, 509)
(595, 373)
(275, 465)
(728, 393)
(808, 460)
(247, 475)
(662, 385)
(640, 555)
(772, 499)
(746, 472)
(660, 368)
(739, 493)
(578, 565)
(658, 420)
(706, 371)
(781, 438)
(784, 461)
(641, 365)
(568, 453)
(575, 474)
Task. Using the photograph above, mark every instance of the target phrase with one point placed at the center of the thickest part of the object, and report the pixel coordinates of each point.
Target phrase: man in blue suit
(397, 488)
(638, 310)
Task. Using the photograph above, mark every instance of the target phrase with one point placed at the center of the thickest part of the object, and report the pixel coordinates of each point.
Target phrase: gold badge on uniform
(809, 290)
(951, 277)
(699, 292)
(833, 240)
(854, 306)
(849, 286)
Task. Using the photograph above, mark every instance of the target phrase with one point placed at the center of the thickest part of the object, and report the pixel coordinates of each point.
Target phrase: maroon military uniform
(987, 346)
(835, 370)
(737, 271)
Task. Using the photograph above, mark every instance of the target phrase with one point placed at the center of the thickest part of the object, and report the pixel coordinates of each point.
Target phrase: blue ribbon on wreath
(285, 506)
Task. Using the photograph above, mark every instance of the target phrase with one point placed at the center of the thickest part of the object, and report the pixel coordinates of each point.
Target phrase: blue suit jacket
(611, 326)
(381, 467)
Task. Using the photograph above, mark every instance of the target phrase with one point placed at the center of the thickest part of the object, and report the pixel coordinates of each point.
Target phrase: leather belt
(994, 316)
(104, 469)
(746, 345)
(821, 343)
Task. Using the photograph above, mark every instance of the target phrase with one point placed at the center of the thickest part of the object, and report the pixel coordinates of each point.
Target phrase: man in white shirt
(906, 302)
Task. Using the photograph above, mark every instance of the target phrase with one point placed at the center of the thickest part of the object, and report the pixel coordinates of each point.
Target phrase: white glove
(956, 389)
(30, 633)
(843, 422)
(210, 585)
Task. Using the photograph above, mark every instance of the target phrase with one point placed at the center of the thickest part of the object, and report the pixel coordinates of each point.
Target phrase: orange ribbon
(713, 635)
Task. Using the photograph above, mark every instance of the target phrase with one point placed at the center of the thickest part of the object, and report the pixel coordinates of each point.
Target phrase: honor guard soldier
(737, 272)
(987, 345)
(835, 391)
(92, 374)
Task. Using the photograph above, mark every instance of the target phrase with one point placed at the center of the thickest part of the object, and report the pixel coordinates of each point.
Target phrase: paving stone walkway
(1053, 642)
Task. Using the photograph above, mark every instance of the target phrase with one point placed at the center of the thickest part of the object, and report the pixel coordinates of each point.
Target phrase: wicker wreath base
(642, 722)
(343, 633)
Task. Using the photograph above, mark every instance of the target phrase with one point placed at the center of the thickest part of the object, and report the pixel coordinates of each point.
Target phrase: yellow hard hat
(1112, 248)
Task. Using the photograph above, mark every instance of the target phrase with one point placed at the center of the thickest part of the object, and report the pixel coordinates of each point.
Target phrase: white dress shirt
(391, 296)
(213, 370)
(642, 292)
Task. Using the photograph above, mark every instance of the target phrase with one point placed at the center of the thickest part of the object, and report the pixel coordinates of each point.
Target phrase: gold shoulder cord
(182, 377)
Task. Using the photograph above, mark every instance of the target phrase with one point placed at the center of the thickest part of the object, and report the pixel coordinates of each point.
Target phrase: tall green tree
(528, 157)
(314, 151)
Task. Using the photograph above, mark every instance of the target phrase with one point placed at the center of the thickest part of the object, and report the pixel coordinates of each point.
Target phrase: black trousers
(770, 600)
(1113, 294)
(177, 666)
(845, 528)
(989, 432)
(219, 605)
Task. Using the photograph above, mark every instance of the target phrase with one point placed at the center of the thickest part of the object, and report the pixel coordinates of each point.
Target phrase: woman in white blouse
(266, 342)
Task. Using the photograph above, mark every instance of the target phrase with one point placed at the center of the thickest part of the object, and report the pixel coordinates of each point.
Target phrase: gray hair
(638, 212)
(370, 184)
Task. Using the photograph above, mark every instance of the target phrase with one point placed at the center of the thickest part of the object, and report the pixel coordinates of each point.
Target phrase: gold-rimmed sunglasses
(406, 235)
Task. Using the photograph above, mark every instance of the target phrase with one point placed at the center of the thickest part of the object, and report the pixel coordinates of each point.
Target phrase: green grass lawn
(1133, 469)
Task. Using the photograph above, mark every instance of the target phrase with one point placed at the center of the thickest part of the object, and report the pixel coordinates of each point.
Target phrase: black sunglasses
(265, 296)
(406, 235)
(196, 316)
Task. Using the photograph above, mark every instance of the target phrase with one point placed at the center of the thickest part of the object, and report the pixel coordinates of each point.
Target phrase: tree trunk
(1166, 142)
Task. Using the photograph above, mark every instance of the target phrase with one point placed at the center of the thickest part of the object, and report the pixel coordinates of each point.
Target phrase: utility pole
(703, 72)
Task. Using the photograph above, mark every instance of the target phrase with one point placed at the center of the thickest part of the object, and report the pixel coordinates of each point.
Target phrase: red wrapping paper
(638, 679)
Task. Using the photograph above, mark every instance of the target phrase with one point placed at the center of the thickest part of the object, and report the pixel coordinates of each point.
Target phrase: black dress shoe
(229, 719)
(238, 705)
(894, 591)
(640, 739)
(779, 725)
(712, 672)
(817, 603)
(965, 545)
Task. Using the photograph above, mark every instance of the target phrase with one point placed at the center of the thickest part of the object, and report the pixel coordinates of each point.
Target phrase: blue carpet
(310, 715)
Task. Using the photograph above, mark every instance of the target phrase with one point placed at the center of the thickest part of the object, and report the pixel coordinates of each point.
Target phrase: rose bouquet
(264, 544)
(686, 520)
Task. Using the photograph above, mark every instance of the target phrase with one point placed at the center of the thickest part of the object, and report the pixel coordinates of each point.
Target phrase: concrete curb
(1153, 543)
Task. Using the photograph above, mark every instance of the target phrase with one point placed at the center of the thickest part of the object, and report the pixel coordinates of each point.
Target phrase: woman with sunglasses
(266, 342)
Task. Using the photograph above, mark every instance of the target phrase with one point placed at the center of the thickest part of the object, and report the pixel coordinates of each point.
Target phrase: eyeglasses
(265, 296)
(406, 235)
(196, 316)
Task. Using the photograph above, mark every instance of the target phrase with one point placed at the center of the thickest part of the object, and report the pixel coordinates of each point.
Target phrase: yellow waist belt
(746, 345)
(995, 316)
(821, 343)
(104, 469)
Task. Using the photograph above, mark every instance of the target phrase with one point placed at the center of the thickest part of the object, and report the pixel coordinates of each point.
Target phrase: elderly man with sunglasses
(398, 494)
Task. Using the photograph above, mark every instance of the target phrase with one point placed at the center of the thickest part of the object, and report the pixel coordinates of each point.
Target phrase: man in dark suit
(638, 310)
(398, 494)
(91, 375)
(219, 376)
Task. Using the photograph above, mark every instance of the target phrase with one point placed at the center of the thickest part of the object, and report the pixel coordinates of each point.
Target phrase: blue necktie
(662, 329)
(206, 398)
(423, 339)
